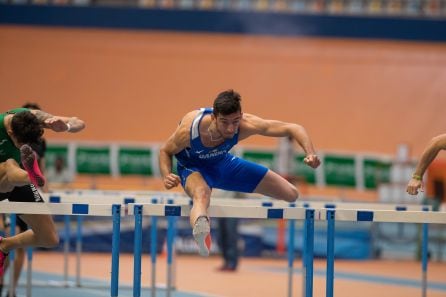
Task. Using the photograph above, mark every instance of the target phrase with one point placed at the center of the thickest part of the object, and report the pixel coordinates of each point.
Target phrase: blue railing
(277, 23)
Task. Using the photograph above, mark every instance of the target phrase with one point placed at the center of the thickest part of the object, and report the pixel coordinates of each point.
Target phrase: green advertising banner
(54, 151)
(302, 170)
(340, 170)
(376, 172)
(93, 160)
(264, 158)
(137, 161)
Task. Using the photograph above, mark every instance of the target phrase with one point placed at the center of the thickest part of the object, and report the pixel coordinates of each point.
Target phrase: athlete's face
(227, 125)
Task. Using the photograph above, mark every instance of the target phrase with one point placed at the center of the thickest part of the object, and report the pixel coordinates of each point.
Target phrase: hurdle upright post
(424, 256)
(304, 244)
(29, 270)
(66, 246)
(153, 246)
(291, 235)
(137, 251)
(309, 252)
(330, 252)
(116, 212)
(170, 242)
(153, 242)
(78, 250)
(12, 225)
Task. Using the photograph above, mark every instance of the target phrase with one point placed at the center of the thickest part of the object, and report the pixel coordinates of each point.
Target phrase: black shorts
(26, 193)
(18, 221)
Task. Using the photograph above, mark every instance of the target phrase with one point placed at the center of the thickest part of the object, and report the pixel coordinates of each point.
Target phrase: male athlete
(201, 144)
(20, 129)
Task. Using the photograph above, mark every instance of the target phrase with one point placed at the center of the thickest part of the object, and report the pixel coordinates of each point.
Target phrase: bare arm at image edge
(431, 151)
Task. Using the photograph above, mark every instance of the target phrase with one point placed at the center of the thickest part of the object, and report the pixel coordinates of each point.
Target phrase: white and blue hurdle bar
(80, 209)
(126, 197)
(263, 202)
(400, 215)
(174, 211)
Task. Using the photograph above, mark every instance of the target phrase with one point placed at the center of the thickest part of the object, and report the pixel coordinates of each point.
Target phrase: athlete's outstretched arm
(254, 125)
(58, 123)
(430, 152)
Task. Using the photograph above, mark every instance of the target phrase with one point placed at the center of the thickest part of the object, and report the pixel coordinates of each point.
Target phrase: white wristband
(68, 127)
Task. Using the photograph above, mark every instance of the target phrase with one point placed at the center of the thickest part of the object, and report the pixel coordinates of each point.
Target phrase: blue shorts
(230, 174)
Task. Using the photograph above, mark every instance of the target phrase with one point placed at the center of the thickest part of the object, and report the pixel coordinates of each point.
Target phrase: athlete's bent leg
(275, 186)
(11, 176)
(197, 188)
(42, 233)
(18, 262)
(5, 185)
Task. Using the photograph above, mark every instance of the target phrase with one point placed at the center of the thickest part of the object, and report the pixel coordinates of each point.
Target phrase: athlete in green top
(10, 173)
(19, 130)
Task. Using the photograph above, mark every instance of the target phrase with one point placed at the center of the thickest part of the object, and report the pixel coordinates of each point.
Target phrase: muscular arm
(431, 151)
(58, 123)
(253, 125)
(167, 150)
(435, 145)
(176, 143)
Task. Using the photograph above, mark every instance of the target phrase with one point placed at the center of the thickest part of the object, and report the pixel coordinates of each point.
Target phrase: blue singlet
(219, 168)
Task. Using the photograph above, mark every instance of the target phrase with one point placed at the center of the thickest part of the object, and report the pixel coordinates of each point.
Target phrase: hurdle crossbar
(57, 208)
(222, 211)
(386, 216)
(167, 198)
(295, 213)
(80, 209)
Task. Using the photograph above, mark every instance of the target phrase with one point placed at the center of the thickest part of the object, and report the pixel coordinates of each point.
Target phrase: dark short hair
(227, 102)
(31, 105)
(26, 127)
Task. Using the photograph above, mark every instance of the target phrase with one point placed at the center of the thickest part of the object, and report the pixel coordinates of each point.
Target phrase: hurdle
(123, 198)
(127, 198)
(94, 196)
(309, 216)
(291, 213)
(162, 197)
(158, 210)
(106, 210)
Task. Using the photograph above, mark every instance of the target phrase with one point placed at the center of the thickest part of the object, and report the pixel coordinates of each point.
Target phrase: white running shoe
(202, 235)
